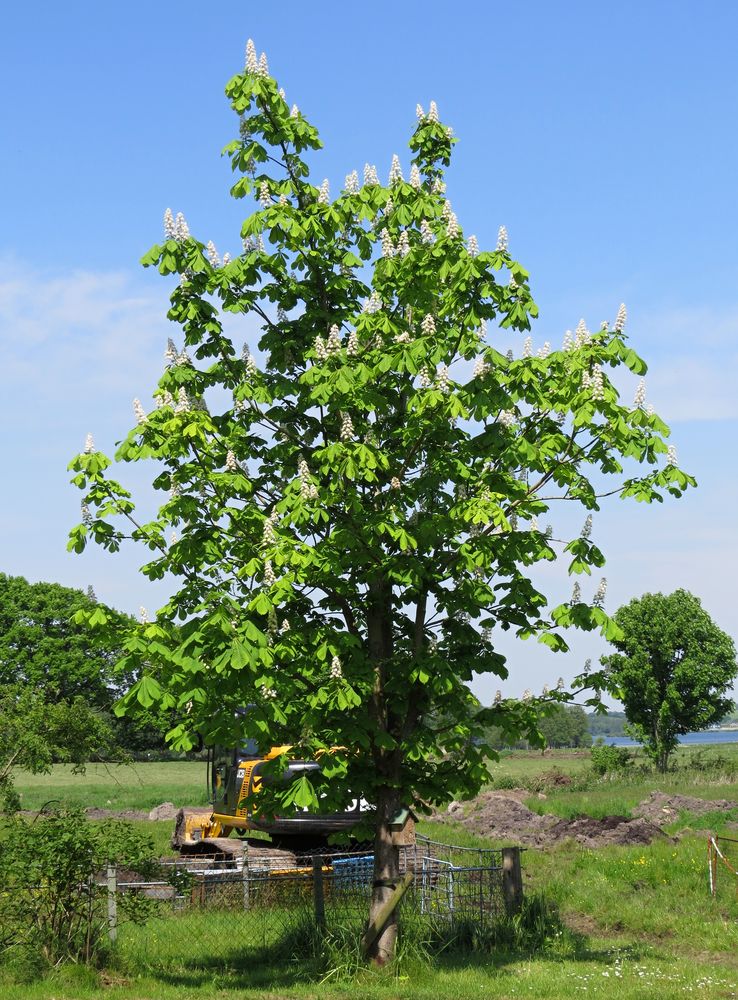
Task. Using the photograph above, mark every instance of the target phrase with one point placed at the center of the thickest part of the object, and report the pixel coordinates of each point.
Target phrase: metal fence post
(512, 879)
(112, 880)
(246, 887)
(318, 898)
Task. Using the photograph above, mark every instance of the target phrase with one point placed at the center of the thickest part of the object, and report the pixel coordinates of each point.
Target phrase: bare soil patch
(497, 815)
(662, 808)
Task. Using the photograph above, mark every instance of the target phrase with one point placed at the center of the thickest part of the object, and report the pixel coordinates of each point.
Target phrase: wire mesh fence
(212, 906)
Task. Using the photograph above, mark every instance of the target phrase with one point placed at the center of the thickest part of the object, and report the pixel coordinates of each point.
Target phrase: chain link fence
(209, 907)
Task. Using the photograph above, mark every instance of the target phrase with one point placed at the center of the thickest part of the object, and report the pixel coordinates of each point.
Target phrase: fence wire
(221, 906)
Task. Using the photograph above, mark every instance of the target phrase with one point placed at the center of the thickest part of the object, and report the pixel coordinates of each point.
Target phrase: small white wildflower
(263, 65)
(171, 352)
(543, 352)
(433, 112)
(568, 342)
(265, 199)
(446, 211)
(486, 634)
(252, 63)
(402, 338)
(640, 395)
(352, 182)
(139, 412)
(320, 348)
(534, 523)
(336, 669)
(507, 418)
(231, 462)
(587, 529)
(143, 615)
(560, 684)
(419, 113)
(248, 244)
(621, 318)
(528, 347)
(170, 229)
(403, 244)
(426, 233)
(527, 695)
(395, 173)
(433, 646)
(86, 515)
(599, 597)
(650, 409)
(586, 380)
(473, 246)
(576, 594)
(415, 178)
(370, 174)
(442, 378)
(424, 378)
(438, 187)
(480, 368)
(260, 243)
(671, 455)
(452, 227)
(284, 627)
(324, 195)
(395, 483)
(498, 697)
(598, 385)
(281, 315)
(269, 693)
(334, 340)
(226, 259)
(183, 357)
(182, 230)
(269, 577)
(388, 247)
(174, 490)
(282, 93)
(545, 691)
(173, 538)
(89, 445)
(283, 200)
(347, 427)
(294, 111)
(502, 240)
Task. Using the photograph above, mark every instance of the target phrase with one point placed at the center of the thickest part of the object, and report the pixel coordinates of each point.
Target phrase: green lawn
(117, 786)
(631, 922)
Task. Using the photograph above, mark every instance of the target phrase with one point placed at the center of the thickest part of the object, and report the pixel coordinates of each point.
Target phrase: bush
(608, 759)
(53, 903)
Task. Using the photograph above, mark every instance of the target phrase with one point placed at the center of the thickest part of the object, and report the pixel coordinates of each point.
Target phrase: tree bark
(386, 876)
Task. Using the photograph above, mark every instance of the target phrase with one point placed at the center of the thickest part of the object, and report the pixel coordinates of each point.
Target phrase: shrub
(608, 759)
(53, 896)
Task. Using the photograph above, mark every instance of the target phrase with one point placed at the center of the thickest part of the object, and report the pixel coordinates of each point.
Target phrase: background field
(639, 921)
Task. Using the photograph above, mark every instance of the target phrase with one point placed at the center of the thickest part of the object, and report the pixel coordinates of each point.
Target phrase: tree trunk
(386, 877)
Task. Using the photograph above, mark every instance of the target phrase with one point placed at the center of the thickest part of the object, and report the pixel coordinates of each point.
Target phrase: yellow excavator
(234, 775)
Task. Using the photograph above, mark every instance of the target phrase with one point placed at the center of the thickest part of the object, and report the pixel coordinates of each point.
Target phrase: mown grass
(637, 922)
(116, 786)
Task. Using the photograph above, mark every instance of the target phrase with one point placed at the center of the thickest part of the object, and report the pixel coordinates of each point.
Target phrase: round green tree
(351, 513)
(672, 670)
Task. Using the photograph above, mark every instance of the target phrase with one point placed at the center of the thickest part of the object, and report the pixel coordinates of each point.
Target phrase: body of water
(691, 739)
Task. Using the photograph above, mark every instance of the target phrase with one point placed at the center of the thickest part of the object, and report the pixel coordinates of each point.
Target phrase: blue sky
(602, 136)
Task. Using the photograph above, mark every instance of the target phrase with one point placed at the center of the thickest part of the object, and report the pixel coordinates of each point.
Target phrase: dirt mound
(662, 808)
(496, 815)
(167, 810)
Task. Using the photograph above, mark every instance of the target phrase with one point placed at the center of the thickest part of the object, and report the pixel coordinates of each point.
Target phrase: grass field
(637, 922)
